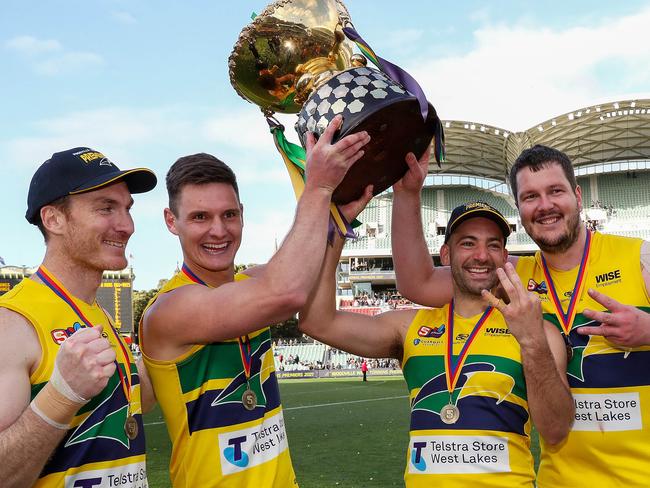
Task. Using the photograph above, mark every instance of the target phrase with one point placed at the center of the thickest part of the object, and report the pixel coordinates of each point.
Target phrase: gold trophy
(297, 57)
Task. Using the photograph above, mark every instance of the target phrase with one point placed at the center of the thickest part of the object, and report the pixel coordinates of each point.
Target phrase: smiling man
(59, 349)
(205, 337)
(593, 287)
(476, 373)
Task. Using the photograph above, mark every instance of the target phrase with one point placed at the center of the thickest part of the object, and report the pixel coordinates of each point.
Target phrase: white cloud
(124, 17)
(518, 75)
(29, 45)
(68, 62)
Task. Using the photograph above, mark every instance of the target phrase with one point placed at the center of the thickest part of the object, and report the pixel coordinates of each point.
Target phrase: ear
(54, 220)
(170, 221)
(579, 197)
(444, 255)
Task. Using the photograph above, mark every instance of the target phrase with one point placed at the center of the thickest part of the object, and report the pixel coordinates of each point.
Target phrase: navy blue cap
(79, 170)
(476, 209)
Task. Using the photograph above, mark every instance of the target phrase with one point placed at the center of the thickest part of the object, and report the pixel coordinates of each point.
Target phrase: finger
(602, 317)
(507, 285)
(492, 301)
(105, 357)
(98, 345)
(354, 158)
(108, 370)
(333, 126)
(88, 334)
(607, 302)
(424, 159)
(601, 330)
(350, 150)
(517, 285)
(358, 139)
(311, 142)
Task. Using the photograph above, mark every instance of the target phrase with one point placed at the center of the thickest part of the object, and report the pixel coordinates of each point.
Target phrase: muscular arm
(147, 394)
(416, 277)
(379, 336)
(549, 398)
(200, 315)
(543, 357)
(26, 441)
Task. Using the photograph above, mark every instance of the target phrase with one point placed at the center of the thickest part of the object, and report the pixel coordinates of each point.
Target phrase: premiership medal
(449, 414)
(249, 399)
(131, 427)
(130, 424)
(566, 319)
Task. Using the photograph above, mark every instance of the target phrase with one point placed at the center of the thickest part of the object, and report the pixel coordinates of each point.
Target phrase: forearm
(549, 398)
(294, 268)
(25, 447)
(320, 310)
(413, 264)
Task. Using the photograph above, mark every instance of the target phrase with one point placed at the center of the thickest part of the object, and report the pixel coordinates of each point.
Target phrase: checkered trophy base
(369, 101)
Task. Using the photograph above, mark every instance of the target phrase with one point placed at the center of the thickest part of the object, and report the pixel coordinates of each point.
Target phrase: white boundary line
(322, 405)
(344, 403)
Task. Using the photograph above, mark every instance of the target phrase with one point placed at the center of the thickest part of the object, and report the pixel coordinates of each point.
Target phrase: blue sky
(146, 82)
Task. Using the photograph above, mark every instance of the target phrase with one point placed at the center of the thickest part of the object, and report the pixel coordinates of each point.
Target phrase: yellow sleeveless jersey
(609, 443)
(95, 452)
(216, 442)
(489, 445)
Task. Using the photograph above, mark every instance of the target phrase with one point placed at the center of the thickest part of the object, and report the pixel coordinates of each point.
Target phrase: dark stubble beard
(564, 242)
(470, 289)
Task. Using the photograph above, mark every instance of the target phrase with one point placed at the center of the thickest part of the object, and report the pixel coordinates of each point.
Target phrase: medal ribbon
(453, 365)
(566, 319)
(244, 342)
(125, 381)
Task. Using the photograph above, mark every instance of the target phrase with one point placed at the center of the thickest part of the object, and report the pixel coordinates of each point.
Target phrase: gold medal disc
(131, 427)
(249, 399)
(449, 414)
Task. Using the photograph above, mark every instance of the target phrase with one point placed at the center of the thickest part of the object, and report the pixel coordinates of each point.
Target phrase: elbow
(556, 435)
(290, 302)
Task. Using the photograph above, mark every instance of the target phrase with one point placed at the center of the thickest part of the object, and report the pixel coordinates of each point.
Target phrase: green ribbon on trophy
(295, 57)
(294, 158)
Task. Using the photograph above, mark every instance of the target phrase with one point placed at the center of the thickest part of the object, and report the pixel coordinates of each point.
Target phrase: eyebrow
(112, 201)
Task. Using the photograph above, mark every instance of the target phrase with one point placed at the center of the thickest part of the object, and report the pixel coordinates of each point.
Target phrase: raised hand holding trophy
(296, 57)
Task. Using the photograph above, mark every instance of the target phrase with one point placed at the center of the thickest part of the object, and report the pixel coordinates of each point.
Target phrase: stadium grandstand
(608, 143)
(114, 295)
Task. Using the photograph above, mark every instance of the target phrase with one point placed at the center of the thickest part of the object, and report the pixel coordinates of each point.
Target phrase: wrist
(54, 408)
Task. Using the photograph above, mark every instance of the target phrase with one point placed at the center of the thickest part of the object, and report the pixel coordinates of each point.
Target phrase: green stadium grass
(357, 441)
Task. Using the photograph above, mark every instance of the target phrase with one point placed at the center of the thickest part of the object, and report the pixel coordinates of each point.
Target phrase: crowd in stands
(385, 300)
(308, 354)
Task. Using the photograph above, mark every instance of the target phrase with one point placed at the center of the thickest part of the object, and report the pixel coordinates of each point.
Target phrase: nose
(217, 228)
(481, 253)
(125, 223)
(545, 202)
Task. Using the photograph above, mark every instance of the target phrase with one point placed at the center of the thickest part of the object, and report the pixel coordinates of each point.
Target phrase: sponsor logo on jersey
(539, 288)
(60, 335)
(608, 278)
(245, 448)
(497, 331)
(436, 332)
(461, 337)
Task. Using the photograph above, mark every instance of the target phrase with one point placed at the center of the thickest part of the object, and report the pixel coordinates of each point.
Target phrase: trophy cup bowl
(294, 58)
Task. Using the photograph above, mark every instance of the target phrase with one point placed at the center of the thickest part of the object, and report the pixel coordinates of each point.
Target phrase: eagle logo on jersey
(107, 419)
(478, 381)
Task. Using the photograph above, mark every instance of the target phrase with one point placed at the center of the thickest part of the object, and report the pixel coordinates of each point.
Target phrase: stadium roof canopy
(612, 131)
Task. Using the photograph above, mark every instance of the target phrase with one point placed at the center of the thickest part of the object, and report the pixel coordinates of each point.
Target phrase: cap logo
(89, 157)
(470, 206)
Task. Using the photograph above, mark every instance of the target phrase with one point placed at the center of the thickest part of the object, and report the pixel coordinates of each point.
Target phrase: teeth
(477, 270)
(550, 220)
(115, 244)
(215, 247)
